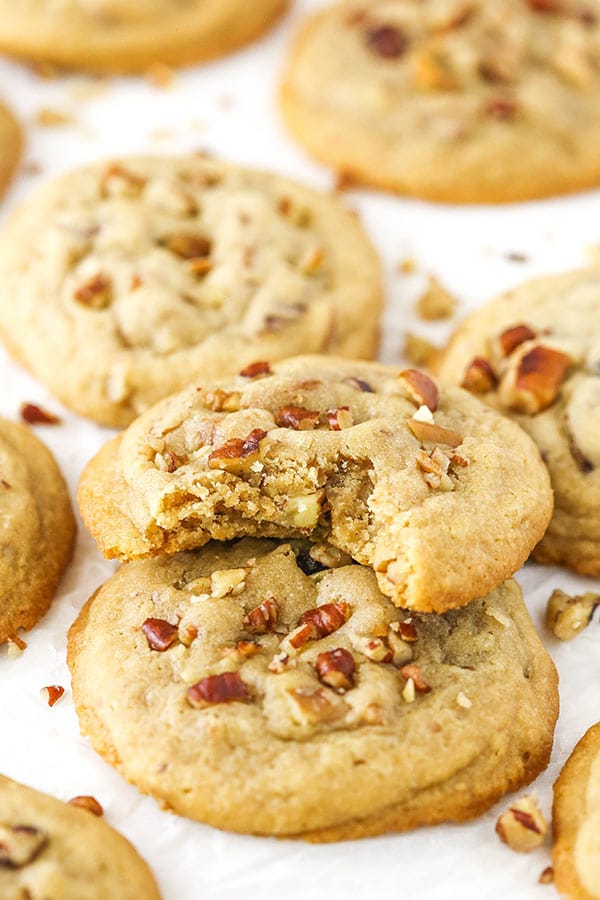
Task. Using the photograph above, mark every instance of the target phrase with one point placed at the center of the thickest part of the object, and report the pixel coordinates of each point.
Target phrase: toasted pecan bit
(378, 650)
(421, 388)
(95, 293)
(317, 706)
(237, 454)
(279, 663)
(222, 401)
(225, 688)
(52, 693)
(297, 417)
(479, 377)
(325, 619)
(168, 461)
(242, 650)
(256, 369)
(188, 246)
(431, 71)
(360, 385)
(566, 616)
(413, 672)
(20, 845)
(15, 646)
(262, 618)
(547, 6)
(436, 434)
(116, 179)
(434, 468)
(340, 418)
(226, 582)
(336, 669)
(407, 630)
(513, 337)
(89, 803)
(501, 108)
(160, 634)
(36, 415)
(537, 380)
(522, 826)
(199, 266)
(386, 41)
(546, 875)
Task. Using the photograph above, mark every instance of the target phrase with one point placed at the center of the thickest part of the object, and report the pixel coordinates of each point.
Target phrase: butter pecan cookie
(534, 354)
(37, 528)
(130, 35)
(576, 819)
(454, 100)
(11, 142)
(271, 688)
(148, 273)
(54, 851)
(439, 494)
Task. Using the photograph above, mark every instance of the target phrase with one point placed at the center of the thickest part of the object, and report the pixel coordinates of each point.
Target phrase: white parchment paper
(229, 108)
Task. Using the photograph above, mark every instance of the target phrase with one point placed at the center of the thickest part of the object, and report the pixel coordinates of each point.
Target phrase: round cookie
(150, 272)
(11, 142)
(461, 101)
(440, 495)
(37, 528)
(250, 695)
(130, 35)
(534, 354)
(51, 850)
(576, 821)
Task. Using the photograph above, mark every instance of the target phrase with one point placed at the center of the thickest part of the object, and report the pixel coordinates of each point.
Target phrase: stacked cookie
(311, 539)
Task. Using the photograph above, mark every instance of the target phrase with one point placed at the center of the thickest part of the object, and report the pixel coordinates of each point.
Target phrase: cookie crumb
(517, 257)
(407, 266)
(160, 76)
(435, 303)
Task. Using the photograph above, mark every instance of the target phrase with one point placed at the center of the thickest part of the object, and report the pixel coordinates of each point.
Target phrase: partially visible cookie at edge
(534, 354)
(11, 141)
(439, 494)
(462, 101)
(37, 528)
(54, 850)
(269, 687)
(576, 816)
(146, 273)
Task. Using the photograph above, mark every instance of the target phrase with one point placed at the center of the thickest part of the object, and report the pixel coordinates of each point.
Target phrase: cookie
(11, 141)
(54, 851)
(37, 528)
(250, 695)
(130, 35)
(440, 495)
(576, 818)
(464, 101)
(150, 272)
(534, 354)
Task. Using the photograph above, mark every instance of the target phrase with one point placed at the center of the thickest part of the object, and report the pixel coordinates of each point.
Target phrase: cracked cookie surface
(576, 820)
(451, 100)
(149, 272)
(440, 495)
(534, 354)
(52, 851)
(37, 528)
(269, 687)
(130, 35)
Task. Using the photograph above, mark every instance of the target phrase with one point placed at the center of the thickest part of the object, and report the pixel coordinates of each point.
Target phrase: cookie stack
(305, 546)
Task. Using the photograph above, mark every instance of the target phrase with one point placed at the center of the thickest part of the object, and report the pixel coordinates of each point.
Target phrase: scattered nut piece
(297, 417)
(522, 826)
(237, 454)
(255, 369)
(116, 180)
(463, 701)
(435, 434)
(479, 377)
(360, 385)
(386, 41)
(262, 618)
(325, 619)
(436, 303)
(85, 801)
(243, 650)
(226, 582)
(167, 461)
(36, 415)
(15, 646)
(20, 845)
(420, 388)
(340, 418)
(566, 616)
(279, 663)
(546, 875)
(160, 634)
(222, 401)
(188, 246)
(336, 669)
(52, 693)
(304, 511)
(408, 691)
(535, 382)
(317, 706)
(95, 293)
(513, 337)
(501, 108)
(225, 688)
(413, 672)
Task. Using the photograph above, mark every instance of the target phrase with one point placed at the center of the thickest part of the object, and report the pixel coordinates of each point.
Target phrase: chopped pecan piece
(85, 801)
(407, 630)
(20, 845)
(340, 418)
(501, 108)
(188, 246)
(413, 672)
(479, 377)
(36, 415)
(431, 71)
(222, 401)
(325, 619)
(336, 669)
(225, 688)
(95, 293)
(435, 434)
(237, 454)
(421, 388)
(386, 41)
(377, 649)
(547, 6)
(513, 337)
(537, 380)
(318, 706)
(116, 179)
(159, 633)
(255, 369)
(52, 693)
(167, 461)
(434, 467)
(224, 582)
(360, 385)
(262, 618)
(242, 650)
(297, 417)
(522, 826)
(199, 266)
(566, 616)
(546, 875)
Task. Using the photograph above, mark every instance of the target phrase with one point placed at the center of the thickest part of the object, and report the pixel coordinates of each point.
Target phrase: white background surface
(229, 108)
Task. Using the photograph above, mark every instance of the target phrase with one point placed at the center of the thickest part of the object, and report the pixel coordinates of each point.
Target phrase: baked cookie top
(576, 821)
(248, 682)
(150, 272)
(49, 849)
(129, 35)
(11, 141)
(439, 494)
(534, 354)
(452, 100)
(37, 528)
